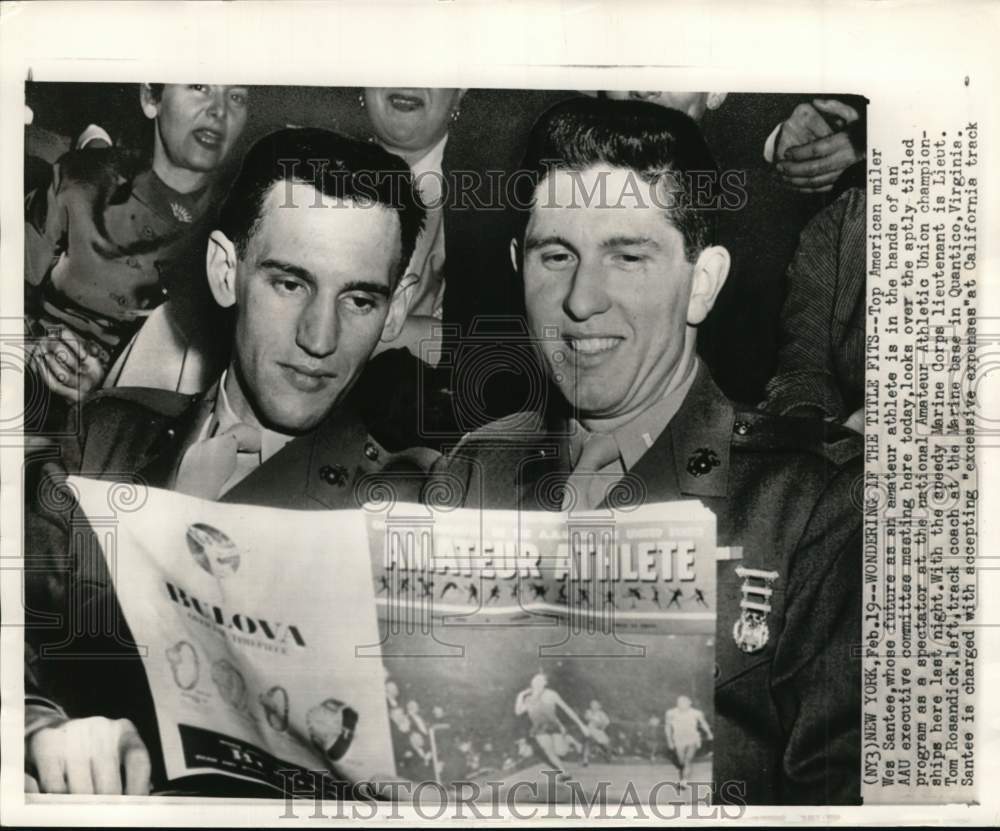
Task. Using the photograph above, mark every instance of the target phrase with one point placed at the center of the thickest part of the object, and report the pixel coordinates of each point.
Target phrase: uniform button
(147, 232)
(371, 452)
(741, 428)
(132, 262)
(171, 432)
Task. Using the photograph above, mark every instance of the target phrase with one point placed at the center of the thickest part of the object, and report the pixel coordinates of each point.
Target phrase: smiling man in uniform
(620, 267)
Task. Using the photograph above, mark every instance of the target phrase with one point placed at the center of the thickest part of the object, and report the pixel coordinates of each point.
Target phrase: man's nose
(588, 294)
(317, 330)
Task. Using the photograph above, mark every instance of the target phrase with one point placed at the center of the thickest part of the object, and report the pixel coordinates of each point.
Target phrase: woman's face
(197, 124)
(410, 118)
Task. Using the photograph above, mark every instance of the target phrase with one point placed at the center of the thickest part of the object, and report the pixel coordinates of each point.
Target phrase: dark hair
(656, 142)
(156, 91)
(336, 166)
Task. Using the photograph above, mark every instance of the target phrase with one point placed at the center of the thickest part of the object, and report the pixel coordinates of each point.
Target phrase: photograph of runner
(541, 704)
(682, 724)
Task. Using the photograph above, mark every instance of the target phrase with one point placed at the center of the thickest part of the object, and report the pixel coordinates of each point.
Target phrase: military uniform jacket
(140, 435)
(787, 718)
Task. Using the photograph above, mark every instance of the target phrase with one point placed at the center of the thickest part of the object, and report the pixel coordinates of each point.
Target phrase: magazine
(498, 647)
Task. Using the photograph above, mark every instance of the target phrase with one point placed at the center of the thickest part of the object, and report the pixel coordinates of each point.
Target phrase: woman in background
(115, 233)
(413, 123)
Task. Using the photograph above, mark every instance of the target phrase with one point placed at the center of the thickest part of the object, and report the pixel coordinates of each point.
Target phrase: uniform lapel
(701, 435)
(158, 466)
(657, 472)
(318, 470)
(544, 467)
(691, 456)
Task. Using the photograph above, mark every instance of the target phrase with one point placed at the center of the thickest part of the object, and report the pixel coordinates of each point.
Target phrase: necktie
(211, 467)
(586, 482)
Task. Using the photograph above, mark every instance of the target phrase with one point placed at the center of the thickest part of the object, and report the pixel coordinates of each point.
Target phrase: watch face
(275, 704)
(331, 727)
(184, 664)
(230, 684)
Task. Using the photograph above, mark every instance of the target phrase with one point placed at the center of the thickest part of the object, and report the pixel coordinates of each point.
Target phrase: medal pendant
(750, 632)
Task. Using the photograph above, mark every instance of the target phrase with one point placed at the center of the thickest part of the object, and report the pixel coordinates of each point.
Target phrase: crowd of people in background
(117, 217)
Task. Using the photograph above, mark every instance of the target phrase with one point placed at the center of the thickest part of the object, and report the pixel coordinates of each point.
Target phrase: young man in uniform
(619, 268)
(309, 250)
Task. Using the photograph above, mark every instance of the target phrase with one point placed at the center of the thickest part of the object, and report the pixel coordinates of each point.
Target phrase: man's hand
(69, 366)
(810, 154)
(88, 756)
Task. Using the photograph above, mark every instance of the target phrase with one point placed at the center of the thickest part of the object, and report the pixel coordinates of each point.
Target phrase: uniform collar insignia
(701, 433)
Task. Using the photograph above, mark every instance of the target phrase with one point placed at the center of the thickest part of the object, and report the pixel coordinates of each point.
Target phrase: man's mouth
(212, 139)
(305, 379)
(591, 347)
(404, 103)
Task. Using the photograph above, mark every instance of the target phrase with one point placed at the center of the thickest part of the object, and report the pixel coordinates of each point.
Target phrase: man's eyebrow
(367, 285)
(289, 268)
(628, 242)
(537, 242)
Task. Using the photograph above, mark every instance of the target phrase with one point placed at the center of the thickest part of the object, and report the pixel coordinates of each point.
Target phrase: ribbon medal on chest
(750, 632)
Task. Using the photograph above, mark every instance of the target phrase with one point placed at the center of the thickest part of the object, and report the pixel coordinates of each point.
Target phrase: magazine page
(251, 664)
(553, 651)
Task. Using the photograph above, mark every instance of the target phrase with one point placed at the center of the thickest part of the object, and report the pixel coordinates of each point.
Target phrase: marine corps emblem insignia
(702, 461)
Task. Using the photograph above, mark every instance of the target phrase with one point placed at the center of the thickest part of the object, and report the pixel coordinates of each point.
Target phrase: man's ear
(715, 100)
(220, 264)
(399, 306)
(515, 256)
(710, 272)
(150, 105)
